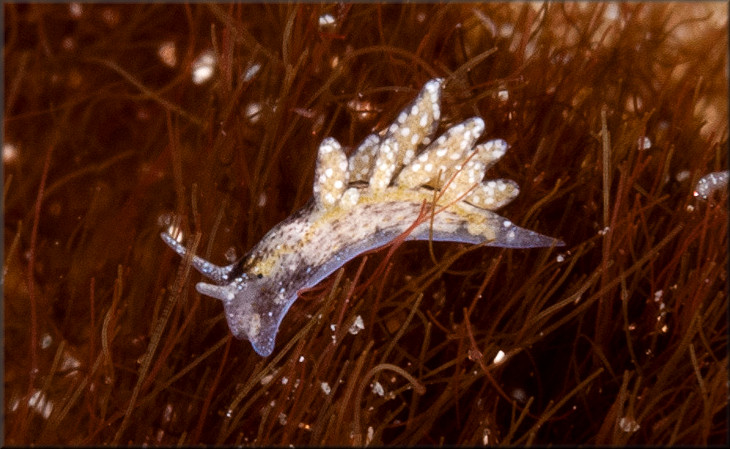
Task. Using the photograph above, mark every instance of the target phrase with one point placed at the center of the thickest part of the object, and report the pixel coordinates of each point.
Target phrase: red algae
(125, 120)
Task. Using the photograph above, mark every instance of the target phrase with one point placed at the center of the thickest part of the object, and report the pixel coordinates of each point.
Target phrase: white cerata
(363, 202)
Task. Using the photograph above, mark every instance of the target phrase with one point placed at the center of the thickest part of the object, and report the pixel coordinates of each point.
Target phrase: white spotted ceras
(363, 202)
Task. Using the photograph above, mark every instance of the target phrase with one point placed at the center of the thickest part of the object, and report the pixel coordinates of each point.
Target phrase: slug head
(253, 307)
(251, 312)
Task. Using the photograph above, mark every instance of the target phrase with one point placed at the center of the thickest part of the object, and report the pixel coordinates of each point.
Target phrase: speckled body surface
(710, 183)
(364, 202)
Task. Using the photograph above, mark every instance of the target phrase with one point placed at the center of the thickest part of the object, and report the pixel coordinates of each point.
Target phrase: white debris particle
(203, 67)
(506, 30)
(378, 389)
(268, 378)
(164, 219)
(168, 53)
(251, 71)
(682, 175)
(474, 354)
(357, 326)
(284, 380)
(560, 258)
(485, 437)
(231, 254)
(69, 363)
(326, 20)
(644, 143)
(40, 403)
(519, 394)
(75, 9)
(10, 153)
(503, 95)
(658, 295)
(628, 425)
(282, 418)
(499, 357)
(301, 358)
(46, 341)
(252, 112)
(326, 388)
(369, 437)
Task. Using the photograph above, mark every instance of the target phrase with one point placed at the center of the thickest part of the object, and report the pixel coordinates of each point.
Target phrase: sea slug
(713, 182)
(363, 202)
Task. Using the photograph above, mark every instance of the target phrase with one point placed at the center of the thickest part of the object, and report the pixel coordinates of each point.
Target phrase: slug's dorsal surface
(363, 202)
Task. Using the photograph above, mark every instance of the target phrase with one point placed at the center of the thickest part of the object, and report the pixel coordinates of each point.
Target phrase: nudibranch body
(363, 202)
(708, 184)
